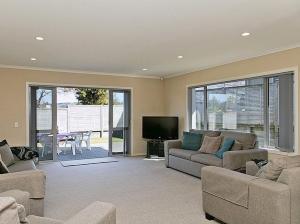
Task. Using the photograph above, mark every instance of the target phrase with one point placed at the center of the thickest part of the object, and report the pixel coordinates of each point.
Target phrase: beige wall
(176, 88)
(146, 94)
(150, 96)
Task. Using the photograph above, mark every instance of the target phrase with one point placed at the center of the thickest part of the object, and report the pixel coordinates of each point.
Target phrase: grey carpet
(88, 161)
(144, 191)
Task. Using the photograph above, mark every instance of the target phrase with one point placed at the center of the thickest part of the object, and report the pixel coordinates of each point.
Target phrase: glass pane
(197, 108)
(281, 122)
(118, 122)
(44, 124)
(273, 111)
(238, 106)
(118, 110)
(44, 109)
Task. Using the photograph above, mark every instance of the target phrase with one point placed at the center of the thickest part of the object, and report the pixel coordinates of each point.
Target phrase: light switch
(16, 124)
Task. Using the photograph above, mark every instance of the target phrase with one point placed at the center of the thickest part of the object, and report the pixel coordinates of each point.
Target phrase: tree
(91, 96)
(41, 94)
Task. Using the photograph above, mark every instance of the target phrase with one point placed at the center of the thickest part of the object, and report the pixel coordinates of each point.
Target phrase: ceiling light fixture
(245, 34)
(145, 69)
(33, 59)
(179, 56)
(39, 38)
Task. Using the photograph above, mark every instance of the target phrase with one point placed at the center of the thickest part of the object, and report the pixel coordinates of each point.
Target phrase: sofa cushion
(226, 146)
(6, 153)
(191, 141)
(236, 146)
(207, 159)
(211, 144)
(248, 140)
(206, 132)
(273, 169)
(3, 167)
(22, 166)
(181, 153)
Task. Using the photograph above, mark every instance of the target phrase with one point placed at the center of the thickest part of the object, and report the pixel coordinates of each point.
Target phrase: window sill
(278, 152)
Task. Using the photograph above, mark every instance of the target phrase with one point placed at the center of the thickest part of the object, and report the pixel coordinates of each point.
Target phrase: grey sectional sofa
(191, 162)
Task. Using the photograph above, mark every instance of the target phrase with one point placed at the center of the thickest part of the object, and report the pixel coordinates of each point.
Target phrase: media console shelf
(155, 148)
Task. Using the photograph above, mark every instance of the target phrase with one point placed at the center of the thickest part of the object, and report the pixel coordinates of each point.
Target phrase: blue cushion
(226, 146)
(191, 141)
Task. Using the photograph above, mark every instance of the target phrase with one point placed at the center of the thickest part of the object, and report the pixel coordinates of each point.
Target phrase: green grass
(104, 140)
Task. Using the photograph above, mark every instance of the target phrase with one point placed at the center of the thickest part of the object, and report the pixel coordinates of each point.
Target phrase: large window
(262, 105)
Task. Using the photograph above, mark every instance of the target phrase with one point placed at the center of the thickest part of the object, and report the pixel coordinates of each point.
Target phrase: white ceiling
(124, 36)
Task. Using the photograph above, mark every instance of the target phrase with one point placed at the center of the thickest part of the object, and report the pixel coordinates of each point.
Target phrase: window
(262, 105)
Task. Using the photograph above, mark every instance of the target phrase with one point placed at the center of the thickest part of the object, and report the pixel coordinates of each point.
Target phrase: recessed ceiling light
(245, 34)
(179, 56)
(39, 38)
(145, 69)
(33, 59)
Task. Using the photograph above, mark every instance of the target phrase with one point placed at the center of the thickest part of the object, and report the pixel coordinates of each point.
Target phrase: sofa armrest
(32, 181)
(234, 160)
(219, 182)
(269, 197)
(169, 144)
(96, 213)
(21, 197)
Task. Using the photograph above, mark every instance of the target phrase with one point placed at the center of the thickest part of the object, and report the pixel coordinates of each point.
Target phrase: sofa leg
(208, 216)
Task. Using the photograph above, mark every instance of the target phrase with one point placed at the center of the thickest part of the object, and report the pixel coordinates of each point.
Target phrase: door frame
(55, 85)
(127, 108)
(32, 116)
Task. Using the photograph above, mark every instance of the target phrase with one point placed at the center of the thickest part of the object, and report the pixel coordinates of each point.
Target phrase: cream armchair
(236, 198)
(31, 181)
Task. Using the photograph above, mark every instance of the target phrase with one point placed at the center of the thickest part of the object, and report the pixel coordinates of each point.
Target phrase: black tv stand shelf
(155, 148)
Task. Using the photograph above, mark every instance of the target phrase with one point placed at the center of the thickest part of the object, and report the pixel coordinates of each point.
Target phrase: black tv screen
(163, 128)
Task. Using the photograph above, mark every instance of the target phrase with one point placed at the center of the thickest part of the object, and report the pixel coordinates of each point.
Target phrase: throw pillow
(6, 153)
(226, 146)
(191, 141)
(237, 146)
(24, 153)
(272, 169)
(3, 167)
(211, 145)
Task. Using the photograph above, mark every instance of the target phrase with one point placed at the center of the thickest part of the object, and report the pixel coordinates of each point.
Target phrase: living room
(227, 71)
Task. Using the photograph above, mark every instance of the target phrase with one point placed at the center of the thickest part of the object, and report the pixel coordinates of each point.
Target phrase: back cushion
(6, 153)
(206, 132)
(247, 140)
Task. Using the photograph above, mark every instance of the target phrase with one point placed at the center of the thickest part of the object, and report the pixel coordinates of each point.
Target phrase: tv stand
(155, 147)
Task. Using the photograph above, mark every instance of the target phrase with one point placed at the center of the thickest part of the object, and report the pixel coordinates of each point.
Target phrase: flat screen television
(160, 128)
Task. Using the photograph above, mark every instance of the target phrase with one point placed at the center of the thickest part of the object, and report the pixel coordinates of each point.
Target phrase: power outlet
(16, 124)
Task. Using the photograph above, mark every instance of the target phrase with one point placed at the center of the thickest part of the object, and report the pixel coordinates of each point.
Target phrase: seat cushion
(22, 166)
(207, 159)
(182, 153)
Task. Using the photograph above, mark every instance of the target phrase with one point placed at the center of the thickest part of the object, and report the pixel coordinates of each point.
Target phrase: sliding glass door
(43, 122)
(66, 124)
(119, 121)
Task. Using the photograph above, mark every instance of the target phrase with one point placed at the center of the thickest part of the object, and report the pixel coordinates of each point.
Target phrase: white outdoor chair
(86, 137)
